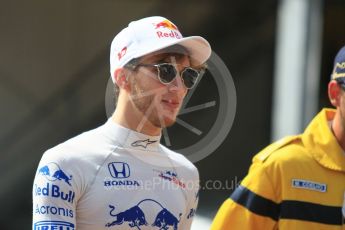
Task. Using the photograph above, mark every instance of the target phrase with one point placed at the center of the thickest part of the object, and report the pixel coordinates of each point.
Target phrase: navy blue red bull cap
(338, 72)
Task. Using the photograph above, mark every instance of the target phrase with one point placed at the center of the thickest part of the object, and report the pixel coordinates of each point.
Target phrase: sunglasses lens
(167, 73)
(190, 76)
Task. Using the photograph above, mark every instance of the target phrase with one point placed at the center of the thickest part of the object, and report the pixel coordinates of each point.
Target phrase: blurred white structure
(297, 66)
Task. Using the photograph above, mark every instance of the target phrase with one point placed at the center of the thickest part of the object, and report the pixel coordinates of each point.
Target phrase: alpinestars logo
(142, 143)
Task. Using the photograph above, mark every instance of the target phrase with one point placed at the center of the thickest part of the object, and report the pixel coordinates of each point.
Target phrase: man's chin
(169, 120)
(169, 123)
(164, 123)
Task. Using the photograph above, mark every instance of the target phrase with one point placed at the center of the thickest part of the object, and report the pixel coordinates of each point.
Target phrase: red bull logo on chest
(136, 218)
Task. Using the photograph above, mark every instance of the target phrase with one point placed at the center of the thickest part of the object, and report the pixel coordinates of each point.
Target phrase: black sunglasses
(167, 72)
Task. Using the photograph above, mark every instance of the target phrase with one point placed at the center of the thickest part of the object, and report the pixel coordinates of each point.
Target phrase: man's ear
(334, 93)
(121, 78)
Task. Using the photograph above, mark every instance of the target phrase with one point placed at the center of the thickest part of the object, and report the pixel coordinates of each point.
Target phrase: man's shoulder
(179, 159)
(284, 150)
(88, 145)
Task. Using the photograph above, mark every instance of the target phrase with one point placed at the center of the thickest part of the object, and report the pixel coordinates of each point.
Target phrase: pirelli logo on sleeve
(309, 185)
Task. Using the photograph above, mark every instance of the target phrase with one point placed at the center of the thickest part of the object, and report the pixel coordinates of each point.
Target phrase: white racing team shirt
(114, 178)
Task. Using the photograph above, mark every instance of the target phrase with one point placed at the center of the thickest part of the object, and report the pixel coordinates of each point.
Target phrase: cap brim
(198, 48)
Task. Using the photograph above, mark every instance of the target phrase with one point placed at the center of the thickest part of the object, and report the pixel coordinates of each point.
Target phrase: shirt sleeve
(253, 205)
(54, 194)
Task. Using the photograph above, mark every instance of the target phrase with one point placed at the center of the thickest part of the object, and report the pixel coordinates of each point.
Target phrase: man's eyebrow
(162, 58)
(175, 56)
(165, 57)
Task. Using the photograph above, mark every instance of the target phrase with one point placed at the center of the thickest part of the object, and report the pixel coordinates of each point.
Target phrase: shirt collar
(323, 145)
(128, 138)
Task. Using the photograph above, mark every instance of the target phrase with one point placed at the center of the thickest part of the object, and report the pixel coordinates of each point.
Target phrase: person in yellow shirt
(297, 182)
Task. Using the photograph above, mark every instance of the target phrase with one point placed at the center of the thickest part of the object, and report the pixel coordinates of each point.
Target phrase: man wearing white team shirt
(118, 176)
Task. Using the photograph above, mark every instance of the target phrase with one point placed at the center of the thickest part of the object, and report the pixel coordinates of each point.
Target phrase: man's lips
(171, 103)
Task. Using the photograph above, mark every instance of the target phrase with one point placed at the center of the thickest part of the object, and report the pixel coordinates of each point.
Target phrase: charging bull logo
(165, 219)
(169, 30)
(166, 24)
(44, 171)
(135, 216)
(53, 172)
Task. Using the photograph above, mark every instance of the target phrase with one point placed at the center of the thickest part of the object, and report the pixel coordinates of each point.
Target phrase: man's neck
(338, 130)
(134, 121)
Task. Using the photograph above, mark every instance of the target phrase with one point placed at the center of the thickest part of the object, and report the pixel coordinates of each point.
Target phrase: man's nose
(177, 84)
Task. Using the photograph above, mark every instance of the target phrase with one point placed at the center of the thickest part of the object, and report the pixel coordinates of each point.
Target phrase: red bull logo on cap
(166, 24)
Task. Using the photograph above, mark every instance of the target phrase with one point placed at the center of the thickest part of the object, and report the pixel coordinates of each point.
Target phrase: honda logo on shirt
(119, 169)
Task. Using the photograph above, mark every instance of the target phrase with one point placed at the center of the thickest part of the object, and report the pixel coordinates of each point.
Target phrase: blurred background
(54, 69)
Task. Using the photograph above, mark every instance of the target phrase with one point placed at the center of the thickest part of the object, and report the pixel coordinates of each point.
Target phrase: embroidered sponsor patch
(49, 225)
(138, 216)
(310, 185)
(142, 143)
